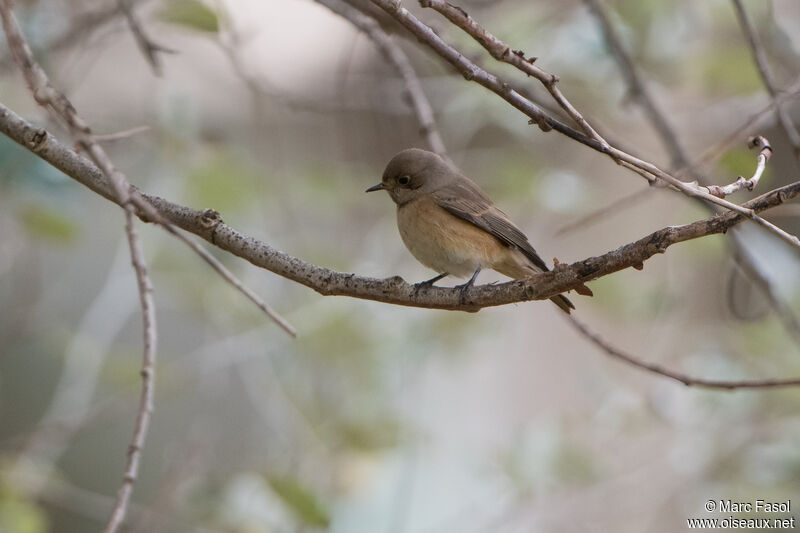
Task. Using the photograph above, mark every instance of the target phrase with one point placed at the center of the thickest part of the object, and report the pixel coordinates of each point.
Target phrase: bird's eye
(403, 180)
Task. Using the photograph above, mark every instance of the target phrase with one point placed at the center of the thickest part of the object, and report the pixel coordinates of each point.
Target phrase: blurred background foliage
(381, 418)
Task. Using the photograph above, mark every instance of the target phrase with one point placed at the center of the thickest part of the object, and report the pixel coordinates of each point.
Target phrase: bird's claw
(462, 297)
(427, 283)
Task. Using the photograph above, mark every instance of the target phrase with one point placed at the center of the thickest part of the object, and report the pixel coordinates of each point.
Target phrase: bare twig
(473, 72)
(710, 154)
(150, 49)
(81, 25)
(765, 152)
(637, 86)
(502, 52)
(396, 56)
(52, 99)
(120, 135)
(760, 58)
(715, 152)
(49, 97)
(686, 379)
(145, 410)
(600, 213)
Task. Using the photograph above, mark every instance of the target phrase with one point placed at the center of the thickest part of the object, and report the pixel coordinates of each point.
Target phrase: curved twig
(686, 379)
(764, 154)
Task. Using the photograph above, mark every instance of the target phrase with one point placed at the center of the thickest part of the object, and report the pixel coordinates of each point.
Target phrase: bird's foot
(428, 283)
(462, 298)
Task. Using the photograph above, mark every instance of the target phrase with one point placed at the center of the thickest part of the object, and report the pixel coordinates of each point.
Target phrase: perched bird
(451, 226)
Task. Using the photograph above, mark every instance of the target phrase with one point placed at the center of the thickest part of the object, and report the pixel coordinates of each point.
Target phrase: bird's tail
(563, 302)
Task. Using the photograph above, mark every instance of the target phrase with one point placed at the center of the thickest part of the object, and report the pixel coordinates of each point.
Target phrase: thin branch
(686, 379)
(603, 211)
(208, 225)
(764, 154)
(502, 52)
(760, 58)
(473, 72)
(81, 25)
(637, 86)
(149, 48)
(715, 152)
(120, 135)
(395, 55)
(50, 98)
(710, 154)
(145, 410)
(680, 157)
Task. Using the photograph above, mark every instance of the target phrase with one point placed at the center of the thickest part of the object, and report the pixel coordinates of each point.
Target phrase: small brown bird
(451, 226)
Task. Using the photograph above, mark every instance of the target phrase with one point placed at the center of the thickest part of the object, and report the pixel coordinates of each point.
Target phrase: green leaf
(302, 502)
(191, 14)
(48, 225)
(19, 514)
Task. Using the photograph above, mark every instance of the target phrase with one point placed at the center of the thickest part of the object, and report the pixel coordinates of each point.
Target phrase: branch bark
(209, 226)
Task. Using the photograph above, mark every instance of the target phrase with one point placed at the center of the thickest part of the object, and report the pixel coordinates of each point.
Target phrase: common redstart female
(451, 226)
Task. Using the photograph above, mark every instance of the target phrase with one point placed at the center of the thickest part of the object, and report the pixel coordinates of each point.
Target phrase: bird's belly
(444, 242)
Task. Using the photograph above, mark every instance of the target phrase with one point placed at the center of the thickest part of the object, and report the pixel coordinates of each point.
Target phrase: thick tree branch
(209, 226)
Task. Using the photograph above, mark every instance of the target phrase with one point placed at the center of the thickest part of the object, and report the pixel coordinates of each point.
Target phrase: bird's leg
(465, 287)
(428, 283)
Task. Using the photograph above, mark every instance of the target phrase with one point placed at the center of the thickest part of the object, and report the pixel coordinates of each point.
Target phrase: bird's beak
(377, 187)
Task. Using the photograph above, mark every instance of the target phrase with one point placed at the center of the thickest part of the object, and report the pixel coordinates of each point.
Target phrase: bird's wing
(466, 201)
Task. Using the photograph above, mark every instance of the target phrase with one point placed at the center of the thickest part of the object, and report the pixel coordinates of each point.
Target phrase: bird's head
(412, 173)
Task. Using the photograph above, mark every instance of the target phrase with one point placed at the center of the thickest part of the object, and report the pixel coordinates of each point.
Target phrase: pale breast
(446, 243)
